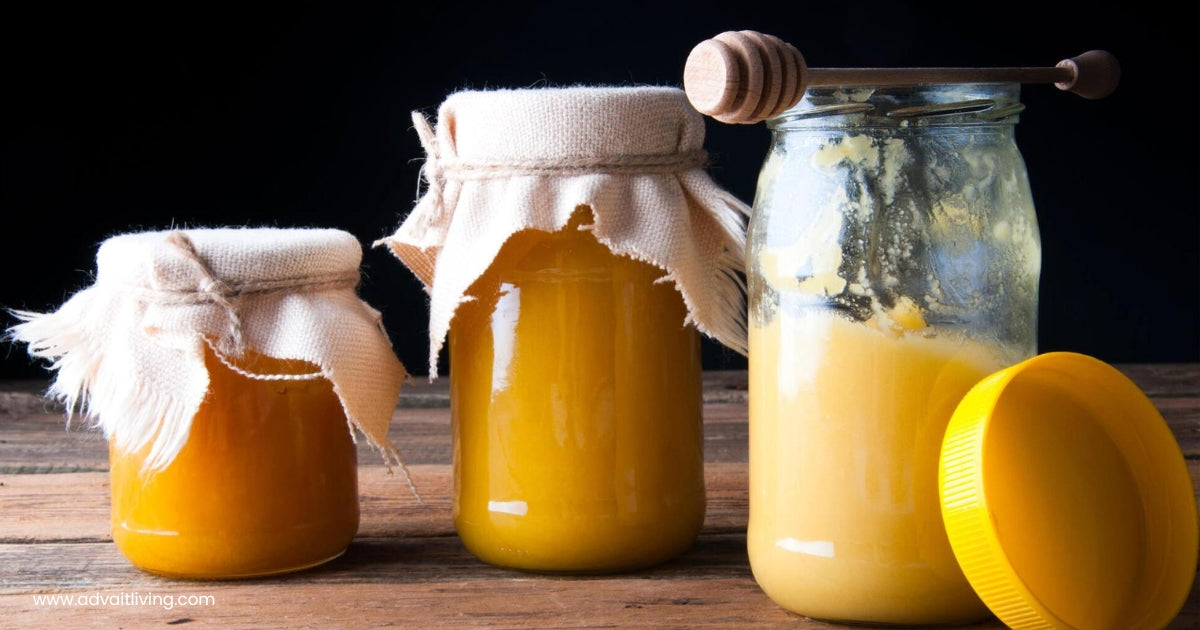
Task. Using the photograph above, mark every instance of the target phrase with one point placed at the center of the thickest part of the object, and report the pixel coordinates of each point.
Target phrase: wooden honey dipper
(747, 77)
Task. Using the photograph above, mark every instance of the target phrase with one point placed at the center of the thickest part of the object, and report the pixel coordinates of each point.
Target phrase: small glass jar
(893, 261)
(228, 368)
(576, 406)
(267, 482)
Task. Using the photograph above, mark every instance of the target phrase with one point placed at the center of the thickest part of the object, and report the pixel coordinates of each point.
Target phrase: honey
(846, 425)
(266, 483)
(575, 398)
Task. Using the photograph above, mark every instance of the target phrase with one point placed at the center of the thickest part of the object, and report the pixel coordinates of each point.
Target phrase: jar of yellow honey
(894, 258)
(911, 462)
(229, 369)
(267, 481)
(574, 249)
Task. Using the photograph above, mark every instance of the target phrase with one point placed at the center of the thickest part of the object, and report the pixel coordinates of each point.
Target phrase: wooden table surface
(406, 567)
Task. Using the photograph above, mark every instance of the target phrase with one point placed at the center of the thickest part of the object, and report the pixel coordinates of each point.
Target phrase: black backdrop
(122, 117)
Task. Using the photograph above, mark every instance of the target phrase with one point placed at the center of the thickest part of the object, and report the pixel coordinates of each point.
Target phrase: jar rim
(901, 106)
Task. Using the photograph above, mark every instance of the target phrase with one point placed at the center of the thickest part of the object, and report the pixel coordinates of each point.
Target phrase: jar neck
(914, 107)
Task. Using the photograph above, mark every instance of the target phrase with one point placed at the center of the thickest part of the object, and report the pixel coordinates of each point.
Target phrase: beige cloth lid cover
(129, 350)
(509, 160)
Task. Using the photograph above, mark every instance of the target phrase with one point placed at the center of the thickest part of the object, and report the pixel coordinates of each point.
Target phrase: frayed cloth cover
(129, 350)
(504, 161)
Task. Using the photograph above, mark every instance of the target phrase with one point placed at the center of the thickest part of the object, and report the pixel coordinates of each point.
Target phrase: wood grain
(406, 568)
(502, 601)
(73, 507)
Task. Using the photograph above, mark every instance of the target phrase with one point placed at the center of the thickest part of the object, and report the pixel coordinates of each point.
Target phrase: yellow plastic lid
(1067, 500)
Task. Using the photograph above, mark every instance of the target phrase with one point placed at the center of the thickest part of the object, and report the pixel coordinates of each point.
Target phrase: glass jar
(576, 409)
(229, 369)
(893, 261)
(267, 482)
(574, 250)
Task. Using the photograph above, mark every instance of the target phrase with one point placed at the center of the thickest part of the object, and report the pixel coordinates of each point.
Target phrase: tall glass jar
(893, 261)
(574, 250)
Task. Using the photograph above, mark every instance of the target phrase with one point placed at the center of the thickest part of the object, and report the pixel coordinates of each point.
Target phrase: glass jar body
(892, 264)
(267, 482)
(576, 410)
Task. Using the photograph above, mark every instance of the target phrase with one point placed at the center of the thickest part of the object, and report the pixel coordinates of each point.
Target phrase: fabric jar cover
(129, 350)
(503, 161)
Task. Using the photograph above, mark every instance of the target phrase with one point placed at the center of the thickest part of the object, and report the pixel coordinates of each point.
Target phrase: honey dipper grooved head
(743, 76)
(751, 68)
(712, 77)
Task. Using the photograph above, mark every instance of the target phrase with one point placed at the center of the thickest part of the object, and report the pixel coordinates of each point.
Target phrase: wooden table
(406, 568)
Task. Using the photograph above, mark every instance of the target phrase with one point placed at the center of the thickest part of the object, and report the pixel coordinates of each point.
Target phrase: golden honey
(266, 483)
(575, 398)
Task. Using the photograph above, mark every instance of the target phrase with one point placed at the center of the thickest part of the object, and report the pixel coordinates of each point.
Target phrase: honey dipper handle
(1094, 74)
(919, 76)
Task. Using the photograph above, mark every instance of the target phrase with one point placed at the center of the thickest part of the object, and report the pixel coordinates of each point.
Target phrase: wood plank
(74, 507)
(41, 443)
(406, 547)
(428, 582)
(515, 602)
(1183, 417)
(36, 440)
(1164, 380)
(55, 567)
(28, 396)
(1156, 379)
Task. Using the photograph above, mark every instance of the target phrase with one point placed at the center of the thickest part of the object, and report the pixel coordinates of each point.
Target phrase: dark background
(122, 117)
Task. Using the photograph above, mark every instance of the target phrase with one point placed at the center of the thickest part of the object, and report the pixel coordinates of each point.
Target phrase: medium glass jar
(576, 409)
(893, 261)
(574, 250)
(267, 482)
